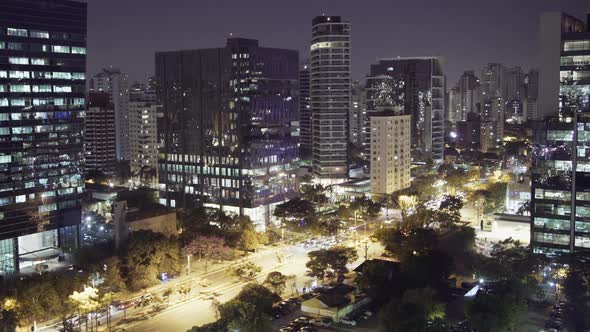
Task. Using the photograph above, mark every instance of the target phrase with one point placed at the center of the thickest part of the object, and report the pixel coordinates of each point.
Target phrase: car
(308, 329)
(368, 313)
(286, 329)
(321, 322)
(122, 305)
(301, 319)
(348, 321)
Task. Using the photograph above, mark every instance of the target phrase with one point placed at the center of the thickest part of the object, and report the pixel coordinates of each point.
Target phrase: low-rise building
(335, 303)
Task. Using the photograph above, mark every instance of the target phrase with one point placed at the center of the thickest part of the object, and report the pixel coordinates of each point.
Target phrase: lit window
(3, 74)
(2, 45)
(39, 62)
(59, 88)
(3, 101)
(62, 76)
(20, 88)
(18, 61)
(19, 74)
(60, 49)
(78, 50)
(16, 32)
(78, 101)
(42, 88)
(59, 101)
(40, 34)
(17, 102)
(78, 76)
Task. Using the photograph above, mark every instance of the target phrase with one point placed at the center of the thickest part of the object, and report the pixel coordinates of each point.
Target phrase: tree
(245, 272)
(331, 260)
(85, 301)
(451, 203)
(8, 315)
(243, 317)
(314, 193)
(406, 203)
(509, 260)
(412, 312)
(276, 281)
(148, 255)
(123, 171)
(403, 244)
(261, 297)
(208, 248)
(496, 311)
(366, 207)
(296, 213)
(110, 270)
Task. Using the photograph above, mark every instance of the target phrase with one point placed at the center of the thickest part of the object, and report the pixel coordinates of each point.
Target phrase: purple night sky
(127, 33)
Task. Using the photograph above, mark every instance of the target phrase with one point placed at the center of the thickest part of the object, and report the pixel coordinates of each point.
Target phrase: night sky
(468, 33)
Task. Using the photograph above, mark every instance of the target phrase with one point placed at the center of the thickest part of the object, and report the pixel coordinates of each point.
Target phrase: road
(200, 311)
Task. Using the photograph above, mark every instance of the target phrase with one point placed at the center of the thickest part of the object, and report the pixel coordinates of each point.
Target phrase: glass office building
(560, 206)
(225, 130)
(42, 102)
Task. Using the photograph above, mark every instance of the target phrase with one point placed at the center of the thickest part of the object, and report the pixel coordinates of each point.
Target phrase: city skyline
(465, 35)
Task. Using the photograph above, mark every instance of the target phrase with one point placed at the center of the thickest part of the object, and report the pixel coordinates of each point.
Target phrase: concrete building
(414, 86)
(390, 152)
(225, 127)
(305, 129)
(563, 46)
(330, 88)
(357, 114)
(143, 140)
(116, 84)
(42, 106)
(99, 135)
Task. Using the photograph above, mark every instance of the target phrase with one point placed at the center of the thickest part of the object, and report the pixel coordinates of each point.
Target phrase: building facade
(305, 129)
(330, 89)
(116, 84)
(414, 86)
(390, 152)
(560, 206)
(143, 140)
(42, 107)
(99, 135)
(225, 127)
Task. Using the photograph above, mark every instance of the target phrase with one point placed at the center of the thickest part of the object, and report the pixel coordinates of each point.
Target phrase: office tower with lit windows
(225, 127)
(330, 87)
(357, 114)
(42, 107)
(305, 132)
(99, 135)
(564, 56)
(116, 84)
(390, 152)
(464, 97)
(414, 86)
(560, 206)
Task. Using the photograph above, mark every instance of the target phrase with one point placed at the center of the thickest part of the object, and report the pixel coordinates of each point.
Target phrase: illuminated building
(42, 107)
(225, 127)
(99, 135)
(305, 132)
(330, 87)
(415, 86)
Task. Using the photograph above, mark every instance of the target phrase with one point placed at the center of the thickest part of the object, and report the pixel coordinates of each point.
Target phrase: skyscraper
(143, 135)
(116, 84)
(560, 206)
(225, 127)
(330, 85)
(414, 85)
(42, 103)
(357, 114)
(563, 47)
(99, 135)
(305, 134)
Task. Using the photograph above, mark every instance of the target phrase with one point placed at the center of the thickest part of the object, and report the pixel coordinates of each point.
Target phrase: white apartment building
(143, 138)
(390, 152)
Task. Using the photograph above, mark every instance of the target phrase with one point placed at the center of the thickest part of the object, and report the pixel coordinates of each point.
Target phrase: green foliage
(245, 272)
(412, 312)
(497, 311)
(451, 203)
(403, 244)
(332, 260)
(296, 214)
(148, 255)
(276, 281)
(261, 297)
(365, 206)
(509, 260)
(243, 317)
(110, 270)
(314, 193)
